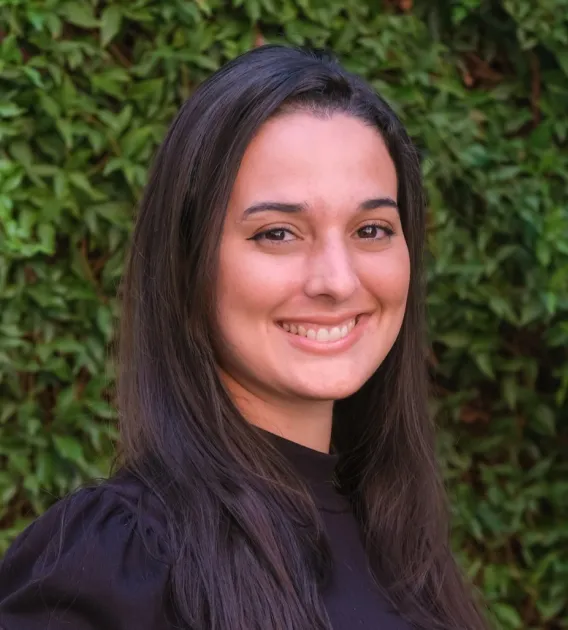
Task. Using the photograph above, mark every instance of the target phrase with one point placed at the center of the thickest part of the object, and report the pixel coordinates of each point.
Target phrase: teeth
(335, 334)
(322, 335)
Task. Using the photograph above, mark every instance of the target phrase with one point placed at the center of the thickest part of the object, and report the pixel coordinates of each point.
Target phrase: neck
(306, 422)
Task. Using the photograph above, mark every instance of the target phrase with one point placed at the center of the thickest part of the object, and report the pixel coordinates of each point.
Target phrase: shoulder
(103, 513)
(97, 552)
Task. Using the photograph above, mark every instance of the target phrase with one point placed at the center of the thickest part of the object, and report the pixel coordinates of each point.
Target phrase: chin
(329, 391)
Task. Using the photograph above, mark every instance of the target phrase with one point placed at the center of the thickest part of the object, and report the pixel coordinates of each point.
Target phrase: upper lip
(323, 320)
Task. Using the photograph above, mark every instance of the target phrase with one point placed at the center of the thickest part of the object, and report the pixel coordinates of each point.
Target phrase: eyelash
(261, 236)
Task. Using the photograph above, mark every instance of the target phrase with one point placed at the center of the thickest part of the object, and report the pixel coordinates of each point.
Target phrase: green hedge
(87, 90)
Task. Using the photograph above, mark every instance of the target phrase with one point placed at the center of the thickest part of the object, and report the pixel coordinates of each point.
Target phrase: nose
(331, 272)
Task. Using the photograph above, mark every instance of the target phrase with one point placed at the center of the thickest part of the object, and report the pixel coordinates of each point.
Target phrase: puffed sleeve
(93, 561)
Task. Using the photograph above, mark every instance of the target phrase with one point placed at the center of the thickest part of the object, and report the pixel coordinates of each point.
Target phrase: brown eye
(276, 235)
(374, 232)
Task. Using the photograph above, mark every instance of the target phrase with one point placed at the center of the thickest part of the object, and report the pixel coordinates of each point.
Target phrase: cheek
(389, 281)
(251, 285)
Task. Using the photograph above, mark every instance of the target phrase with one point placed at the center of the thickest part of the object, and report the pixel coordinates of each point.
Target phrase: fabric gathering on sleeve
(93, 561)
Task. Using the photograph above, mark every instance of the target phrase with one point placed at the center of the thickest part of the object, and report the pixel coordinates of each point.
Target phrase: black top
(109, 571)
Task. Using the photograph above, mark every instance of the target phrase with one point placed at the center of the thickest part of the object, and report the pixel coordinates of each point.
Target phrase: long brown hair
(249, 552)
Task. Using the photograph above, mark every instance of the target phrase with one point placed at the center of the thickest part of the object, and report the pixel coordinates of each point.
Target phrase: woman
(277, 466)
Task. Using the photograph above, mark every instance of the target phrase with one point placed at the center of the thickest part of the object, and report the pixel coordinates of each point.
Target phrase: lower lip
(329, 347)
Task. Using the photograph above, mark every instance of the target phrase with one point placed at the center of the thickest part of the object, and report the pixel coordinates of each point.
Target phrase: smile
(318, 333)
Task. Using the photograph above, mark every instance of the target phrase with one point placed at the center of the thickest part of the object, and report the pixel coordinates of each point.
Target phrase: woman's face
(314, 267)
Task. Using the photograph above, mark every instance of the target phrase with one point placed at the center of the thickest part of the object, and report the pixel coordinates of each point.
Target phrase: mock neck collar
(315, 468)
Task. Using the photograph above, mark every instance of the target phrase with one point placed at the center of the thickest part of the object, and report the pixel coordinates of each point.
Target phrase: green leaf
(483, 362)
(21, 152)
(507, 615)
(105, 322)
(10, 110)
(46, 235)
(79, 13)
(510, 391)
(69, 448)
(455, 339)
(80, 181)
(110, 24)
(544, 420)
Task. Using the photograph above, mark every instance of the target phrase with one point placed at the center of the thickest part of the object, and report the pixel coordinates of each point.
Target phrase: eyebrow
(277, 206)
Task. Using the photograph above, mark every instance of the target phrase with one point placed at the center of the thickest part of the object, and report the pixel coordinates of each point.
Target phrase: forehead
(300, 157)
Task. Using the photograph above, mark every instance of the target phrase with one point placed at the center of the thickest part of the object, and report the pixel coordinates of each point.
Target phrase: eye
(375, 232)
(275, 235)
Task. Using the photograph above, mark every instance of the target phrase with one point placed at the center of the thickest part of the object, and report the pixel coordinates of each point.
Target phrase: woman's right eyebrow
(274, 206)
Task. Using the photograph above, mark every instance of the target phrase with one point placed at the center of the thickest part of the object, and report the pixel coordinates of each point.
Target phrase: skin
(323, 263)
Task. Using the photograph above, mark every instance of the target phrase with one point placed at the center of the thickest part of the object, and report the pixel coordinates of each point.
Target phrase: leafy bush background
(87, 90)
